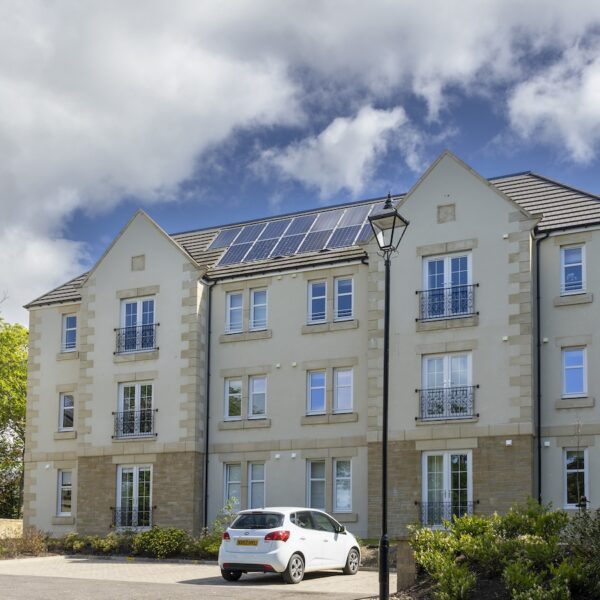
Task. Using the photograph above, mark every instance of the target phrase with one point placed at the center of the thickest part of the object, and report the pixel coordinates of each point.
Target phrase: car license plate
(246, 542)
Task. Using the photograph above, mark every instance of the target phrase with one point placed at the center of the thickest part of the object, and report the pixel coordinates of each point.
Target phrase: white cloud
(343, 154)
(562, 104)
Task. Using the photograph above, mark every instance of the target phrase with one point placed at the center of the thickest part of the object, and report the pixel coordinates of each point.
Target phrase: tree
(13, 395)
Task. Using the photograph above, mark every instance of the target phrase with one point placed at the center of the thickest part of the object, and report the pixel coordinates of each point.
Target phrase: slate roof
(562, 207)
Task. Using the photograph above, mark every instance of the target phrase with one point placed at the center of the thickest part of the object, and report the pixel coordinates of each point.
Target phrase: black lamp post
(389, 228)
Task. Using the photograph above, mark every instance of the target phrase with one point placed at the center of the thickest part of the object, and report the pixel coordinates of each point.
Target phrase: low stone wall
(406, 568)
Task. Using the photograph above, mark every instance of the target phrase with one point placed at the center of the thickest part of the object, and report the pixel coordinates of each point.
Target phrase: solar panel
(315, 240)
(249, 233)
(225, 238)
(288, 245)
(365, 234)
(327, 220)
(300, 225)
(274, 229)
(343, 236)
(354, 216)
(260, 250)
(235, 254)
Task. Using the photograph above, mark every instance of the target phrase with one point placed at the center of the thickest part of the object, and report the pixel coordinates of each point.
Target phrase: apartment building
(245, 362)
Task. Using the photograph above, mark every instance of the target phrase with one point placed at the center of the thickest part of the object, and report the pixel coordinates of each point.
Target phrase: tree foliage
(13, 394)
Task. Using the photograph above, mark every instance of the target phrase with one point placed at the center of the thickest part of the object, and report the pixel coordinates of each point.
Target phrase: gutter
(538, 309)
(209, 284)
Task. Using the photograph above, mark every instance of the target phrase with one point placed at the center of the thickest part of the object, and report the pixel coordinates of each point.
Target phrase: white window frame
(447, 258)
(586, 470)
(61, 411)
(337, 294)
(227, 482)
(252, 481)
(139, 345)
(139, 310)
(336, 508)
(254, 326)
(65, 330)
(447, 369)
(251, 381)
(227, 395)
(311, 318)
(137, 407)
(584, 392)
(61, 487)
(136, 480)
(309, 388)
(563, 291)
(228, 326)
(336, 388)
(310, 479)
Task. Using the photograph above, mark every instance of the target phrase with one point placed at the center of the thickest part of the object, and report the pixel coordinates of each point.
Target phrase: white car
(290, 541)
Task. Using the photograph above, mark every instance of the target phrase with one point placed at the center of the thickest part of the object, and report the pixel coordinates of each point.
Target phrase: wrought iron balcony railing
(447, 403)
(435, 513)
(447, 302)
(132, 518)
(138, 338)
(134, 423)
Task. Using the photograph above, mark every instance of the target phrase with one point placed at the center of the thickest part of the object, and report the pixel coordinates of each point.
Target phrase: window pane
(342, 468)
(317, 494)
(575, 487)
(572, 256)
(343, 495)
(317, 470)
(573, 358)
(234, 473)
(257, 495)
(575, 459)
(574, 380)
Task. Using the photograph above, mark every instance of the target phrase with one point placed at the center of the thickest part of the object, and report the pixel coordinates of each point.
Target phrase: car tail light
(277, 536)
(226, 536)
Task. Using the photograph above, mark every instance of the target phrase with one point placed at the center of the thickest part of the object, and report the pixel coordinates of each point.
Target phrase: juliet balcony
(433, 514)
(447, 303)
(138, 338)
(135, 424)
(132, 518)
(447, 403)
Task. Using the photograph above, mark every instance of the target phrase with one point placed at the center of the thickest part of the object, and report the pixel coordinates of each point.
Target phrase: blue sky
(207, 113)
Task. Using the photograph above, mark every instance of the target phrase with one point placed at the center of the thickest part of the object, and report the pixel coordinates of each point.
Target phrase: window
(138, 328)
(69, 333)
(574, 372)
(572, 276)
(234, 319)
(576, 480)
(258, 397)
(233, 484)
(447, 287)
(256, 485)
(447, 392)
(342, 390)
(343, 299)
(258, 309)
(66, 410)
(342, 489)
(316, 392)
(134, 497)
(322, 522)
(317, 301)
(233, 398)
(316, 484)
(135, 416)
(64, 493)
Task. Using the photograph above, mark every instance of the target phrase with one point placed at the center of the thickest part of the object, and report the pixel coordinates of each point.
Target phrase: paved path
(57, 577)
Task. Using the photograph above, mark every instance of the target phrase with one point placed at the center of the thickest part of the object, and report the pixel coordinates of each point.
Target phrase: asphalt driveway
(57, 577)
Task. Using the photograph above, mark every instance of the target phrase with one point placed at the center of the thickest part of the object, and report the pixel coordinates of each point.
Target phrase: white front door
(134, 497)
(446, 392)
(446, 281)
(137, 319)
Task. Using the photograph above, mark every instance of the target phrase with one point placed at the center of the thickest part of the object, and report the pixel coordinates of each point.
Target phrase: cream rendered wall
(285, 358)
(569, 321)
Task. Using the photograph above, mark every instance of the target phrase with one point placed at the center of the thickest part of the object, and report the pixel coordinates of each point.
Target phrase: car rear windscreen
(258, 521)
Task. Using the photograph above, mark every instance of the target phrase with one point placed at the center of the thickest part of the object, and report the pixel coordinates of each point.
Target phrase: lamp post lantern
(389, 228)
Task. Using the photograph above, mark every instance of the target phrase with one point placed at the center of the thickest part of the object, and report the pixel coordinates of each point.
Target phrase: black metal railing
(447, 303)
(435, 513)
(137, 338)
(134, 423)
(132, 518)
(447, 403)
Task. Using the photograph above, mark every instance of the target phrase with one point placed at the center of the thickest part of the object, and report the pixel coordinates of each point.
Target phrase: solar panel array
(338, 228)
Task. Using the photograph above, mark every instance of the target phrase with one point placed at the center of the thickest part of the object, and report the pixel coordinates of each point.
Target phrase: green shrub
(454, 580)
(519, 577)
(160, 542)
(532, 519)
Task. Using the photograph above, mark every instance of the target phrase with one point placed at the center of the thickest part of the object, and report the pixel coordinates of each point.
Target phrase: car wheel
(352, 562)
(230, 575)
(295, 570)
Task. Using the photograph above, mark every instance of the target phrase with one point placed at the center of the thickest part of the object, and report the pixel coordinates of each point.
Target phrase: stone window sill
(135, 356)
(65, 435)
(329, 419)
(147, 437)
(68, 355)
(331, 326)
(571, 299)
(63, 520)
(422, 422)
(244, 336)
(581, 402)
(245, 424)
(346, 517)
(453, 323)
